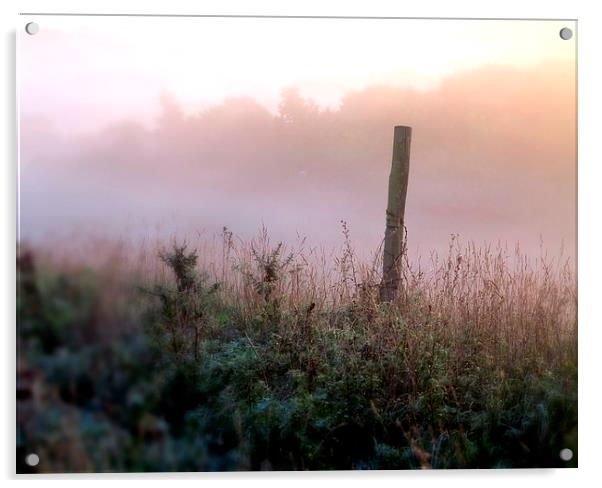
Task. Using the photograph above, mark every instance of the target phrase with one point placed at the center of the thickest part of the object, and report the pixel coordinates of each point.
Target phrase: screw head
(32, 28)
(565, 33)
(32, 459)
(566, 454)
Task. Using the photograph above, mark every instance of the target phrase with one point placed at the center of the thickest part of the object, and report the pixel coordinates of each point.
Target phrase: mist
(493, 159)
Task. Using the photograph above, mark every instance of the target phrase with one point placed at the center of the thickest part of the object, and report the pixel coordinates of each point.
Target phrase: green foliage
(269, 266)
(200, 386)
(185, 310)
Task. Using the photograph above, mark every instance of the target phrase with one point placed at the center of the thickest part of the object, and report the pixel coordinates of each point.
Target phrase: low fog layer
(493, 159)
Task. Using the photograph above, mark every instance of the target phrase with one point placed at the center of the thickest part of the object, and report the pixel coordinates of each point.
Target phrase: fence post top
(402, 130)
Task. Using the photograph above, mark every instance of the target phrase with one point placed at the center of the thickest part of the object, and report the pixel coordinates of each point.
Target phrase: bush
(472, 367)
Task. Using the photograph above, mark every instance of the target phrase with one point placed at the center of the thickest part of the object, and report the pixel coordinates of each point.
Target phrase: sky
(134, 122)
(113, 68)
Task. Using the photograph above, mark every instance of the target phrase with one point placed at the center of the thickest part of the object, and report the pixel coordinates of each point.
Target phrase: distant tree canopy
(472, 135)
(294, 109)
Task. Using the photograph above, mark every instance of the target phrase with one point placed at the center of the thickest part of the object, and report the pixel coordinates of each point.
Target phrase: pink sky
(492, 105)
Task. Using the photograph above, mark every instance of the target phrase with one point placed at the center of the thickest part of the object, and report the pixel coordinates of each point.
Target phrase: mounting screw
(32, 459)
(566, 33)
(566, 454)
(32, 28)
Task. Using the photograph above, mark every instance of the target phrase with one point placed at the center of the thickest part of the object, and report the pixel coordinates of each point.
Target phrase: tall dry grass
(520, 305)
(473, 365)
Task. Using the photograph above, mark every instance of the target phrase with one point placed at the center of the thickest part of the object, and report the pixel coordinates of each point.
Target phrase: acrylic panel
(295, 244)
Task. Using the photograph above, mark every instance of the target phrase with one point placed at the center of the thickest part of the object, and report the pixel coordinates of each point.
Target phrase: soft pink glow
(493, 154)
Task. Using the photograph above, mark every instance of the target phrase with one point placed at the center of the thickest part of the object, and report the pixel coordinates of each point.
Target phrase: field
(254, 355)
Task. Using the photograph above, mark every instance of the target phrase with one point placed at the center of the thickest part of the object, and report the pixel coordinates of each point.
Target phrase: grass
(254, 355)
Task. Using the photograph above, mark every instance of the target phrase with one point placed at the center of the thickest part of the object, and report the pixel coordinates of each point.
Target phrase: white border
(589, 247)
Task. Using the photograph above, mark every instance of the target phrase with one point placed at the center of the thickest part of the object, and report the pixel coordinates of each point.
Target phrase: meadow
(232, 354)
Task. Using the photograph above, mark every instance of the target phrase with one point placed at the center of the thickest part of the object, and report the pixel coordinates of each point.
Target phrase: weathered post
(396, 203)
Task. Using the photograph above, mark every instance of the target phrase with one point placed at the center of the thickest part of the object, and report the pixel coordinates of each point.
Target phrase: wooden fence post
(396, 203)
